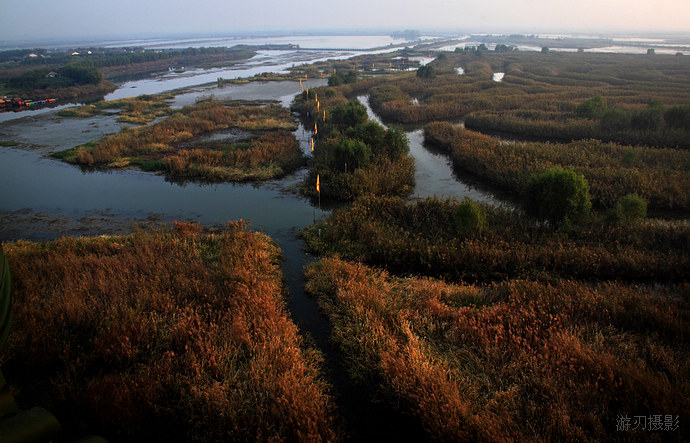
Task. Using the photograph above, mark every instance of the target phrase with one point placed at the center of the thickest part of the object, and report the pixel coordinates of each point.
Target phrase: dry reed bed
(517, 360)
(424, 238)
(172, 335)
(155, 147)
(661, 176)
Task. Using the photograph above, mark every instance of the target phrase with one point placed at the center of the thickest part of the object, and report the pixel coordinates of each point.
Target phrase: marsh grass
(272, 152)
(539, 95)
(170, 335)
(516, 360)
(427, 237)
(660, 176)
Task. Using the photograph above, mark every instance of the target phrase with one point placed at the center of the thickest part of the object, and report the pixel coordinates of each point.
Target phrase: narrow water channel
(44, 198)
(434, 174)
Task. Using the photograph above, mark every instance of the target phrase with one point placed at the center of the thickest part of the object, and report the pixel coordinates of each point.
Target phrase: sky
(66, 19)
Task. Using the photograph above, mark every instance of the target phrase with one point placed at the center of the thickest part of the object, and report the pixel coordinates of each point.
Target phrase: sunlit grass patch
(173, 335)
(516, 360)
(271, 151)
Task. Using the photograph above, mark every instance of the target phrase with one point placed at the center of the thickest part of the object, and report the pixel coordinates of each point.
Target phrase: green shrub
(349, 114)
(630, 209)
(354, 153)
(470, 218)
(557, 196)
(614, 120)
(678, 117)
(592, 108)
(426, 71)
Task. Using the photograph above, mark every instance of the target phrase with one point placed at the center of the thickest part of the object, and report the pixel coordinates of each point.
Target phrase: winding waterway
(44, 198)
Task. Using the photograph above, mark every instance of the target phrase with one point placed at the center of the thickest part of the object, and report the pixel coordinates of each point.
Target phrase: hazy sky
(39, 19)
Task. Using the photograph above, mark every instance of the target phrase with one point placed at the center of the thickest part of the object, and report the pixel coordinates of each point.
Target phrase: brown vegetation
(156, 147)
(661, 176)
(268, 156)
(518, 360)
(539, 96)
(167, 336)
(138, 110)
(430, 237)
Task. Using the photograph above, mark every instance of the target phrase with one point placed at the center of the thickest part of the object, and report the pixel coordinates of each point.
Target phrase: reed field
(660, 175)
(540, 94)
(516, 360)
(433, 237)
(167, 335)
(474, 322)
(169, 145)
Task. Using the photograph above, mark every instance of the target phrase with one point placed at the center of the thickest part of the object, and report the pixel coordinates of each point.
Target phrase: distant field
(540, 94)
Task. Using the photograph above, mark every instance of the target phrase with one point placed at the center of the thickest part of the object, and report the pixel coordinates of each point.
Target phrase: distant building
(75, 53)
(52, 74)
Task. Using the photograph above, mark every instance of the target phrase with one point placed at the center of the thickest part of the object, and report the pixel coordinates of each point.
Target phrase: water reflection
(434, 173)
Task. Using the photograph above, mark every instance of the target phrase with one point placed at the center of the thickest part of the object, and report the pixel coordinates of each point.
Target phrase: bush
(678, 117)
(426, 71)
(630, 209)
(557, 196)
(592, 108)
(615, 120)
(647, 120)
(351, 152)
(82, 74)
(470, 218)
(349, 114)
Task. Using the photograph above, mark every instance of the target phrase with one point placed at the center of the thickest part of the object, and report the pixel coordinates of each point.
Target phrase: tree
(82, 74)
(339, 78)
(349, 114)
(648, 120)
(350, 154)
(426, 71)
(396, 142)
(614, 120)
(557, 196)
(678, 117)
(592, 108)
(630, 209)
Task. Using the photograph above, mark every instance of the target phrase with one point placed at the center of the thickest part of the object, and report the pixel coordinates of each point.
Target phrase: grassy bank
(439, 238)
(661, 176)
(138, 110)
(516, 360)
(171, 335)
(169, 145)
